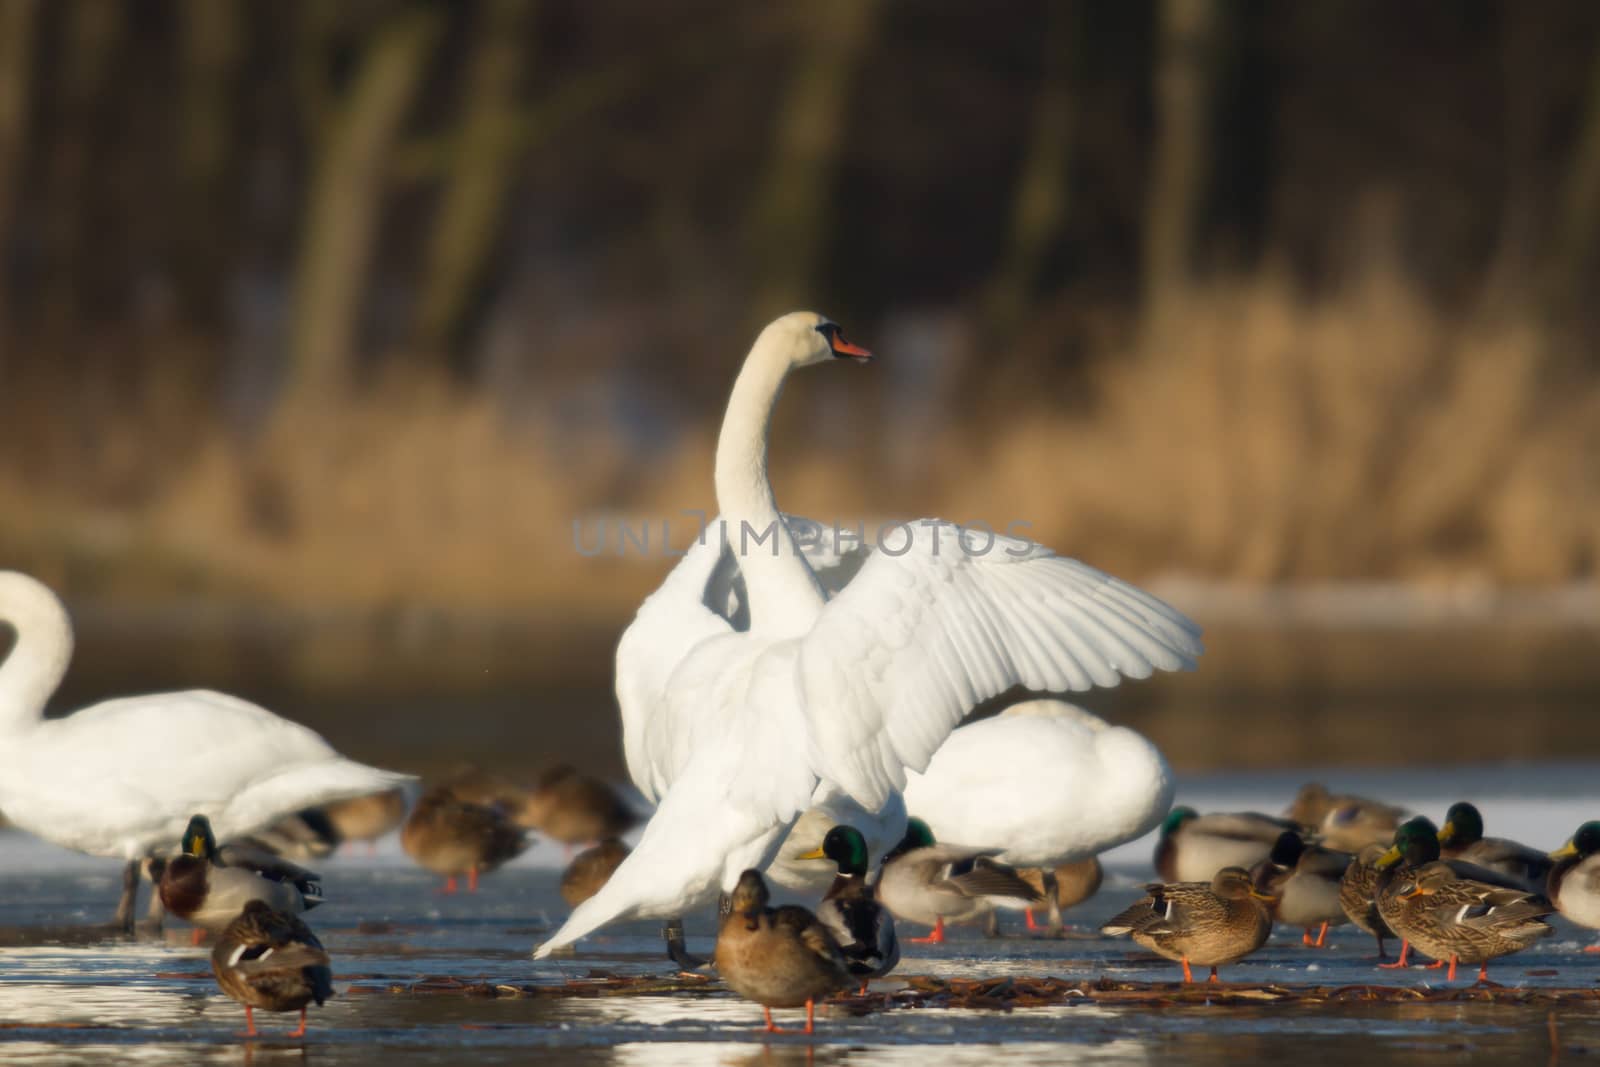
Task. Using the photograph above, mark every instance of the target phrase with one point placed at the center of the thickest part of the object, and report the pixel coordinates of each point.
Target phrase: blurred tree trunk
(1180, 165)
(92, 32)
(211, 50)
(341, 217)
(481, 172)
(792, 212)
(16, 81)
(1039, 211)
(1577, 226)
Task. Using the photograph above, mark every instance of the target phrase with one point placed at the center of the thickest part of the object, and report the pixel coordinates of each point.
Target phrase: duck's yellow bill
(814, 854)
(1389, 858)
(1566, 850)
(1268, 897)
(1447, 833)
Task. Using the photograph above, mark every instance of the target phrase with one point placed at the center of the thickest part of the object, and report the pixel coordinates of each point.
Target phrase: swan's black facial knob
(842, 349)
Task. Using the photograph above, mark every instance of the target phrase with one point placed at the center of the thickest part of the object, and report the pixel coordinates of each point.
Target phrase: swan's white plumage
(1045, 781)
(759, 671)
(122, 778)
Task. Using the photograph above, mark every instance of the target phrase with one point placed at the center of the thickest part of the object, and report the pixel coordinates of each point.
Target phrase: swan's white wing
(921, 637)
(126, 774)
(670, 622)
(703, 597)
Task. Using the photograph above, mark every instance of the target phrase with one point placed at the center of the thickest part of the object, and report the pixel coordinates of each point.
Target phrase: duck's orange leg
(249, 1022)
(771, 1026)
(1027, 913)
(1399, 964)
(1436, 964)
(935, 938)
(1305, 938)
(1213, 977)
(811, 1016)
(449, 886)
(302, 1031)
(196, 936)
(1591, 948)
(1187, 977)
(1450, 975)
(1483, 972)
(472, 880)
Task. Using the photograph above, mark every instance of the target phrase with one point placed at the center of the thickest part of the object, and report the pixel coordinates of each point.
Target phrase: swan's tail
(690, 843)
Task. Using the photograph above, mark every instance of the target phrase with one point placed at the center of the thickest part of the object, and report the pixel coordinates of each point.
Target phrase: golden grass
(1258, 435)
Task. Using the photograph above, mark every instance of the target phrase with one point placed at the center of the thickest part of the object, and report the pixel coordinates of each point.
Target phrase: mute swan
(1044, 782)
(743, 686)
(121, 778)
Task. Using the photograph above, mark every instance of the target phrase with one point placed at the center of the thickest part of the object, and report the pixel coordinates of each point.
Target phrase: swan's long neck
(784, 595)
(38, 658)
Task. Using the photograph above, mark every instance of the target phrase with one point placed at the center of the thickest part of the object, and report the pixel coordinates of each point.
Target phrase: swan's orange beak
(844, 348)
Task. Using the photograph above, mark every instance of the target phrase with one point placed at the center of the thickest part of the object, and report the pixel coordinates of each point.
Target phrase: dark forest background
(358, 305)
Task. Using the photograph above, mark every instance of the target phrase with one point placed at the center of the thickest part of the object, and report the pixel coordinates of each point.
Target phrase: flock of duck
(788, 695)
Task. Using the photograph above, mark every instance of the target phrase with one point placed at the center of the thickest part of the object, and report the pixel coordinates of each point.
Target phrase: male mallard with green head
(1193, 847)
(269, 960)
(1574, 883)
(863, 928)
(777, 957)
(1416, 847)
(1461, 838)
(209, 886)
(1304, 880)
(1207, 923)
(926, 882)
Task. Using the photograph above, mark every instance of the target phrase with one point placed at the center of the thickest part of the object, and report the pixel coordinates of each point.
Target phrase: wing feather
(918, 639)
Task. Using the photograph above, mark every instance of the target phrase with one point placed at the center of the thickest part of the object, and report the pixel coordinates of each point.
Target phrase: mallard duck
(269, 960)
(1358, 891)
(367, 818)
(1193, 847)
(925, 882)
(1207, 923)
(777, 957)
(209, 886)
(1064, 886)
(591, 869)
(452, 837)
(1451, 917)
(1343, 821)
(1416, 845)
(1304, 880)
(302, 837)
(1461, 838)
(863, 928)
(575, 808)
(1574, 883)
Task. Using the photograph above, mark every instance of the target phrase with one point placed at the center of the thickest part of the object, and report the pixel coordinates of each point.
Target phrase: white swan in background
(1045, 781)
(123, 777)
(731, 719)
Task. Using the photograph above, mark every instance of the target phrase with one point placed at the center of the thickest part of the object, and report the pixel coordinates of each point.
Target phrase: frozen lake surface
(155, 1001)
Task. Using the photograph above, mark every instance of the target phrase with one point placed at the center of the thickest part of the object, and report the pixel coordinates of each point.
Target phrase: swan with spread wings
(774, 666)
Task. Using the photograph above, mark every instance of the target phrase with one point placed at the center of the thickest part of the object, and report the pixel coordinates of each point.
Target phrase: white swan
(123, 777)
(1045, 781)
(733, 718)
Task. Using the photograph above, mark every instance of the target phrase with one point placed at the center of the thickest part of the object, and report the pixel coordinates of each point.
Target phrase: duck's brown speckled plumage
(590, 870)
(777, 957)
(450, 836)
(1207, 923)
(269, 960)
(1358, 892)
